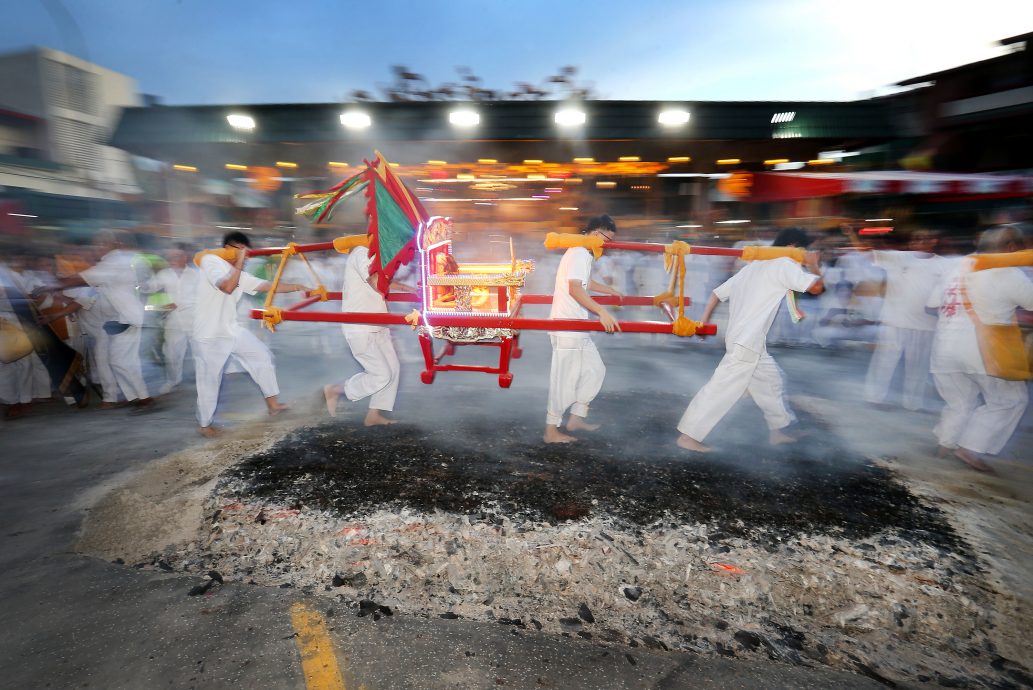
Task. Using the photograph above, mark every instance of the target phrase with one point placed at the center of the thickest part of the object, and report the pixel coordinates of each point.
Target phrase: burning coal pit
(807, 555)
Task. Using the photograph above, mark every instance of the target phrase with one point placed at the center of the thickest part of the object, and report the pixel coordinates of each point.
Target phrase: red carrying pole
(513, 323)
(269, 251)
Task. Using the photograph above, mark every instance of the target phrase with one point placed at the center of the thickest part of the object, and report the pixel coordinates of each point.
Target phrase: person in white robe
(370, 345)
(754, 295)
(218, 336)
(905, 329)
(981, 411)
(179, 282)
(577, 371)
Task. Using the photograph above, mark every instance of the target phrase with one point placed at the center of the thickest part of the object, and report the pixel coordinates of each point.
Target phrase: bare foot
(554, 435)
(330, 395)
(777, 437)
(575, 423)
(277, 408)
(972, 460)
(689, 443)
(209, 431)
(375, 418)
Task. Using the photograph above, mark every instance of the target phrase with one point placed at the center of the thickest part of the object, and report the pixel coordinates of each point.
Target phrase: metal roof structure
(518, 129)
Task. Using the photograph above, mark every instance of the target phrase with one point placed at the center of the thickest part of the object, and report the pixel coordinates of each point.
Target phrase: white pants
(124, 358)
(915, 347)
(379, 379)
(16, 381)
(97, 348)
(178, 330)
(740, 371)
(575, 378)
(980, 428)
(41, 384)
(210, 357)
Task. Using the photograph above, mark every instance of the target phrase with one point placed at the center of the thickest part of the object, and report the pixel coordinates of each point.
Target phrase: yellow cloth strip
(318, 660)
(226, 253)
(349, 242)
(566, 240)
(982, 262)
(756, 253)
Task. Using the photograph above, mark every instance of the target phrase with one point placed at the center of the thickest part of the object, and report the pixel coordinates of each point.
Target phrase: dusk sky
(221, 51)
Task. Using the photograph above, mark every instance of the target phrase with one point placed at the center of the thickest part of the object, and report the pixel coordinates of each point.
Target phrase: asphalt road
(75, 621)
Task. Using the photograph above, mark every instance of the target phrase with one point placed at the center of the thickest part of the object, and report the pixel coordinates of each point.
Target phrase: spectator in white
(218, 335)
(906, 329)
(115, 278)
(16, 375)
(371, 345)
(179, 282)
(577, 369)
(966, 302)
(755, 294)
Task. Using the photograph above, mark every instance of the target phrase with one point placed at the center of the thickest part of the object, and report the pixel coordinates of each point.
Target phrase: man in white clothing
(755, 294)
(577, 369)
(218, 335)
(115, 277)
(179, 282)
(906, 329)
(370, 345)
(967, 428)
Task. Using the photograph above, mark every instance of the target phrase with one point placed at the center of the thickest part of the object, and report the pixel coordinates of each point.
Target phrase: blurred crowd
(884, 294)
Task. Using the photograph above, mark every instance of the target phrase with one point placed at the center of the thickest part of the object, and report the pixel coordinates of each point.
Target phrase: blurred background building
(79, 148)
(57, 115)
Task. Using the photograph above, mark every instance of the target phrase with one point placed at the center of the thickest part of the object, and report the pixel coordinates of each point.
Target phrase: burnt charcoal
(631, 660)
(653, 643)
(572, 622)
(286, 585)
(749, 640)
(355, 580)
(585, 614)
(201, 589)
(584, 634)
(511, 621)
(118, 561)
(368, 606)
(753, 492)
(633, 593)
(448, 616)
(215, 576)
(164, 565)
(537, 624)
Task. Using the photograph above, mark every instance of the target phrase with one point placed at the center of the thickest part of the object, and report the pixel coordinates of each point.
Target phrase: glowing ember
(725, 568)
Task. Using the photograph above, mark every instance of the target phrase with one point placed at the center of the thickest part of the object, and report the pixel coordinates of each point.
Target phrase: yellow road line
(318, 660)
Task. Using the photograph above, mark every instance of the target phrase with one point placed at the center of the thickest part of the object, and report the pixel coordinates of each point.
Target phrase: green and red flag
(393, 212)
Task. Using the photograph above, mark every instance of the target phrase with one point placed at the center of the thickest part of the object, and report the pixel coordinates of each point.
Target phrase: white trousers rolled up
(575, 378)
(210, 358)
(741, 370)
(915, 348)
(41, 384)
(178, 330)
(982, 428)
(16, 381)
(124, 359)
(378, 380)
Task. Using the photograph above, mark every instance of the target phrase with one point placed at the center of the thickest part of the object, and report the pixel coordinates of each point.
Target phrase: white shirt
(910, 278)
(180, 286)
(357, 294)
(215, 313)
(576, 264)
(96, 310)
(115, 277)
(994, 294)
(756, 293)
